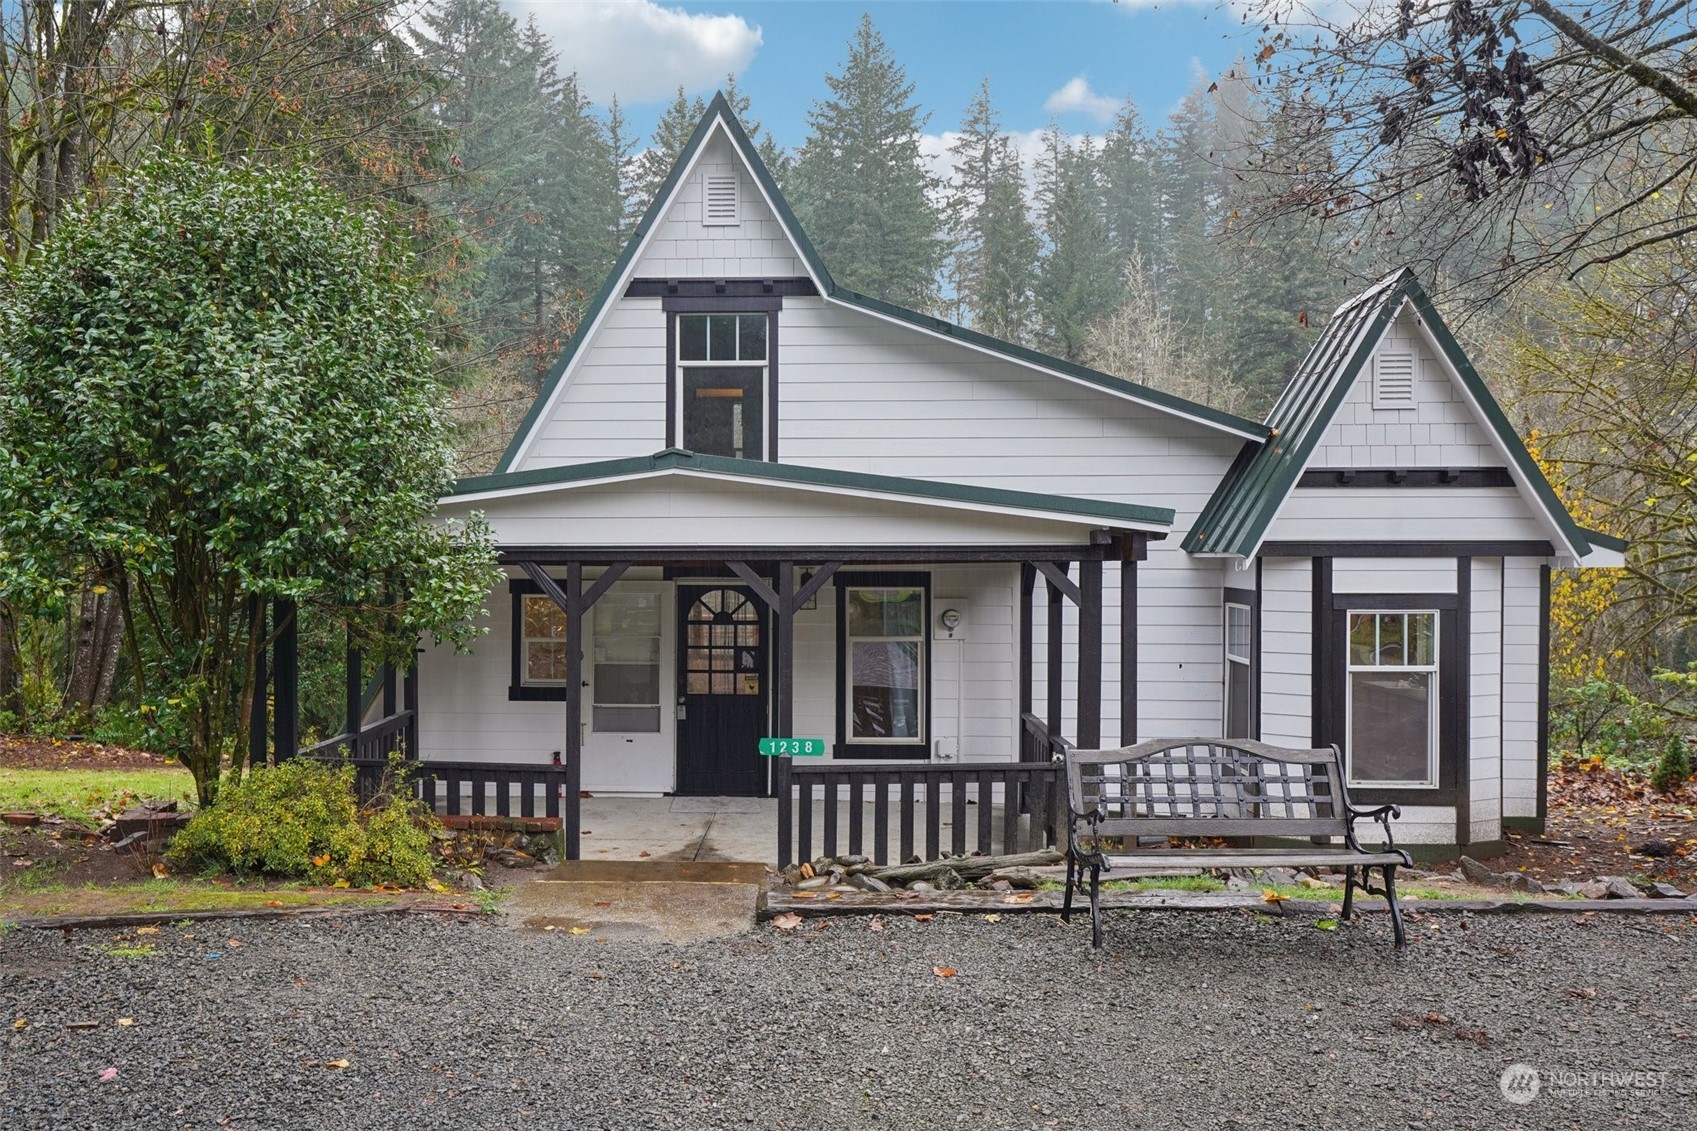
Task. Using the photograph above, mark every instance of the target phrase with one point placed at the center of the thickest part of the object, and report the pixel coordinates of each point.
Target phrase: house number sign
(793, 747)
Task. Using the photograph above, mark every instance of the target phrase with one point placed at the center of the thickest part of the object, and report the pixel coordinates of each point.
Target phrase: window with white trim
(1238, 672)
(1391, 698)
(722, 362)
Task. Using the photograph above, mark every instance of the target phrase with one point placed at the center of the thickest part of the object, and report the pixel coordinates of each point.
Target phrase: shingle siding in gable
(683, 247)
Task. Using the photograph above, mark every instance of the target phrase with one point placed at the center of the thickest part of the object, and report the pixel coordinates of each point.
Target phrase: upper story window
(723, 361)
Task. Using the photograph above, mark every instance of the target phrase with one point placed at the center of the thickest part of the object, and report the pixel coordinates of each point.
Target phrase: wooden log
(969, 867)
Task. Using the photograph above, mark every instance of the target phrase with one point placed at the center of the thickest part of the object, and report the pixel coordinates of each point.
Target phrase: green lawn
(77, 795)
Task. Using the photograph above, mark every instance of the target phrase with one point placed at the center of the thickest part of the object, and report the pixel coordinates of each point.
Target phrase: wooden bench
(1209, 787)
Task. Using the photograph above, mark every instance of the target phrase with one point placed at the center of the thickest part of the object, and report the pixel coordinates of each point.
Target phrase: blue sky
(1069, 60)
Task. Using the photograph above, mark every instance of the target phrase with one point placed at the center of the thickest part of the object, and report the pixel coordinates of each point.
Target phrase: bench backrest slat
(1210, 787)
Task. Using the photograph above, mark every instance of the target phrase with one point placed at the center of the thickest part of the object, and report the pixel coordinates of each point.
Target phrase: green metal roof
(1236, 519)
(922, 490)
(720, 108)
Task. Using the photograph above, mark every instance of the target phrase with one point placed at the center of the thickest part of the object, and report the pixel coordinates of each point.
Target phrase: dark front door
(721, 691)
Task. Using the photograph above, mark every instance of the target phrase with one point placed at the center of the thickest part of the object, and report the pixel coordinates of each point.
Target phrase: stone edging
(255, 914)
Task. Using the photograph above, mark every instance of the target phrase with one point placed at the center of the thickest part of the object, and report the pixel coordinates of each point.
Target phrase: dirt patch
(28, 752)
(1600, 819)
(60, 855)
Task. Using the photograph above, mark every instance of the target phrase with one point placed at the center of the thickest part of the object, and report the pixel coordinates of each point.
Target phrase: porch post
(1090, 653)
(257, 713)
(1056, 635)
(355, 691)
(1027, 582)
(783, 699)
(409, 702)
(574, 663)
(1131, 550)
(285, 743)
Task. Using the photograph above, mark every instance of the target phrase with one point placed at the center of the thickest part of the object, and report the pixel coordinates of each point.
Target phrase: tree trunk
(11, 672)
(94, 657)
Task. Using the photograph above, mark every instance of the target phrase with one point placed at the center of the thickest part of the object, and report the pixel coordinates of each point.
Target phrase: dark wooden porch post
(1027, 582)
(1090, 653)
(1056, 637)
(286, 722)
(1131, 551)
(355, 690)
(574, 698)
(258, 715)
(409, 702)
(783, 699)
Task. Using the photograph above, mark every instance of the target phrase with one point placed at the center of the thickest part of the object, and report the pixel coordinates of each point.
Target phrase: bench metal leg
(1066, 901)
(1096, 906)
(1396, 912)
(1348, 893)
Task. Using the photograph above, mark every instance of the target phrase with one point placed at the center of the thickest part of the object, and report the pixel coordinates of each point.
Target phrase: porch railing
(396, 734)
(482, 789)
(1031, 795)
(1036, 744)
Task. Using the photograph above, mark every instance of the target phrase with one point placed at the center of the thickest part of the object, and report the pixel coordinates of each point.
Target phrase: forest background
(1531, 160)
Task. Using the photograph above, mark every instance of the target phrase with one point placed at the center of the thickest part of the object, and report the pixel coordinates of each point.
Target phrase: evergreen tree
(671, 134)
(859, 185)
(772, 154)
(1078, 280)
(621, 158)
(1130, 171)
(995, 247)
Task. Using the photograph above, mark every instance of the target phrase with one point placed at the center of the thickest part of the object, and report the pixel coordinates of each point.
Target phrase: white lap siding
(1521, 686)
(1485, 701)
(1287, 649)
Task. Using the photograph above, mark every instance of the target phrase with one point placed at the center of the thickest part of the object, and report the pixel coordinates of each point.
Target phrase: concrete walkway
(680, 829)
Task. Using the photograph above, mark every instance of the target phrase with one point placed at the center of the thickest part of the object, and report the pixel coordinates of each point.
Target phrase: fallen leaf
(273, 903)
(126, 1022)
(580, 930)
(235, 943)
(320, 860)
(340, 1063)
(147, 930)
(923, 917)
(643, 855)
(340, 884)
(992, 918)
(436, 885)
(159, 870)
(804, 895)
(1268, 895)
(603, 903)
(788, 921)
(872, 924)
(1017, 897)
(1580, 991)
(807, 871)
(833, 895)
(20, 1023)
(943, 971)
(1326, 924)
(107, 1075)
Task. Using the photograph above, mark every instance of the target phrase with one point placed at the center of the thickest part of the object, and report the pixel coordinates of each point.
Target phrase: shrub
(1673, 768)
(299, 820)
(1601, 718)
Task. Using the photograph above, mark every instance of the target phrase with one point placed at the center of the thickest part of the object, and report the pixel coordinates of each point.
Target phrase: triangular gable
(719, 120)
(1242, 509)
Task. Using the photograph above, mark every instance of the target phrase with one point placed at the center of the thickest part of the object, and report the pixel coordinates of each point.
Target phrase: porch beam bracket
(756, 583)
(603, 583)
(1059, 580)
(550, 588)
(815, 583)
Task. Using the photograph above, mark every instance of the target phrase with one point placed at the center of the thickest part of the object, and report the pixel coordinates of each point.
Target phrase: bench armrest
(1379, 813)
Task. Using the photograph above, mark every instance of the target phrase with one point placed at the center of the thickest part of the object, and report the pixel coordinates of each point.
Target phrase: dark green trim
(719, 108)
(1604, 541)
(675, 459)
(1236, 518)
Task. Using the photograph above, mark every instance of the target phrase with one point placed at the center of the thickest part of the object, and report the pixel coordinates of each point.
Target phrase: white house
(749, 502)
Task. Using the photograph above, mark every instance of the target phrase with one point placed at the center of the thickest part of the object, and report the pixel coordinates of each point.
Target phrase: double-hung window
(722, 365)
(1391, 705)
(1239, 665)
(884, 666)
(539, 644)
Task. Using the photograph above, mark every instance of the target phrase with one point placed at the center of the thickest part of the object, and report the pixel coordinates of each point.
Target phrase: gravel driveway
(1183, 1021)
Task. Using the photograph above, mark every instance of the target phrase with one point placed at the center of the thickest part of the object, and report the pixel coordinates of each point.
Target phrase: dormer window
(719, 199)
(722, 364)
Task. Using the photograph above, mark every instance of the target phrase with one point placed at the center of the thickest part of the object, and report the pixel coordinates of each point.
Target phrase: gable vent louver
(719, 199)
(1393, 379)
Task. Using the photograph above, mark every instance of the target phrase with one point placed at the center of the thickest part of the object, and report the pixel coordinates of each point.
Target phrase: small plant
(299, 820)
(489, 899)
(1673, 768)
(128, 950)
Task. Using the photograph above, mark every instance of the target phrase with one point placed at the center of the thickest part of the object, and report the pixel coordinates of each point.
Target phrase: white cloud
(1077, 95)
(638, 49)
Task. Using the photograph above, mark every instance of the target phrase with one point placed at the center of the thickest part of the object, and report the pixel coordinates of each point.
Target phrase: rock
(1311, 882)
(864, 882)
(1656, 848)
(1278, 877)
(814, 883)
(999, 885)
(473, 882)
(1517, 881)
(1617, 887)
(920, 885)
(1235, 882)
(1476, 873)
(851, 861)
(793, 875)
(1665, 891)
(949, 880)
